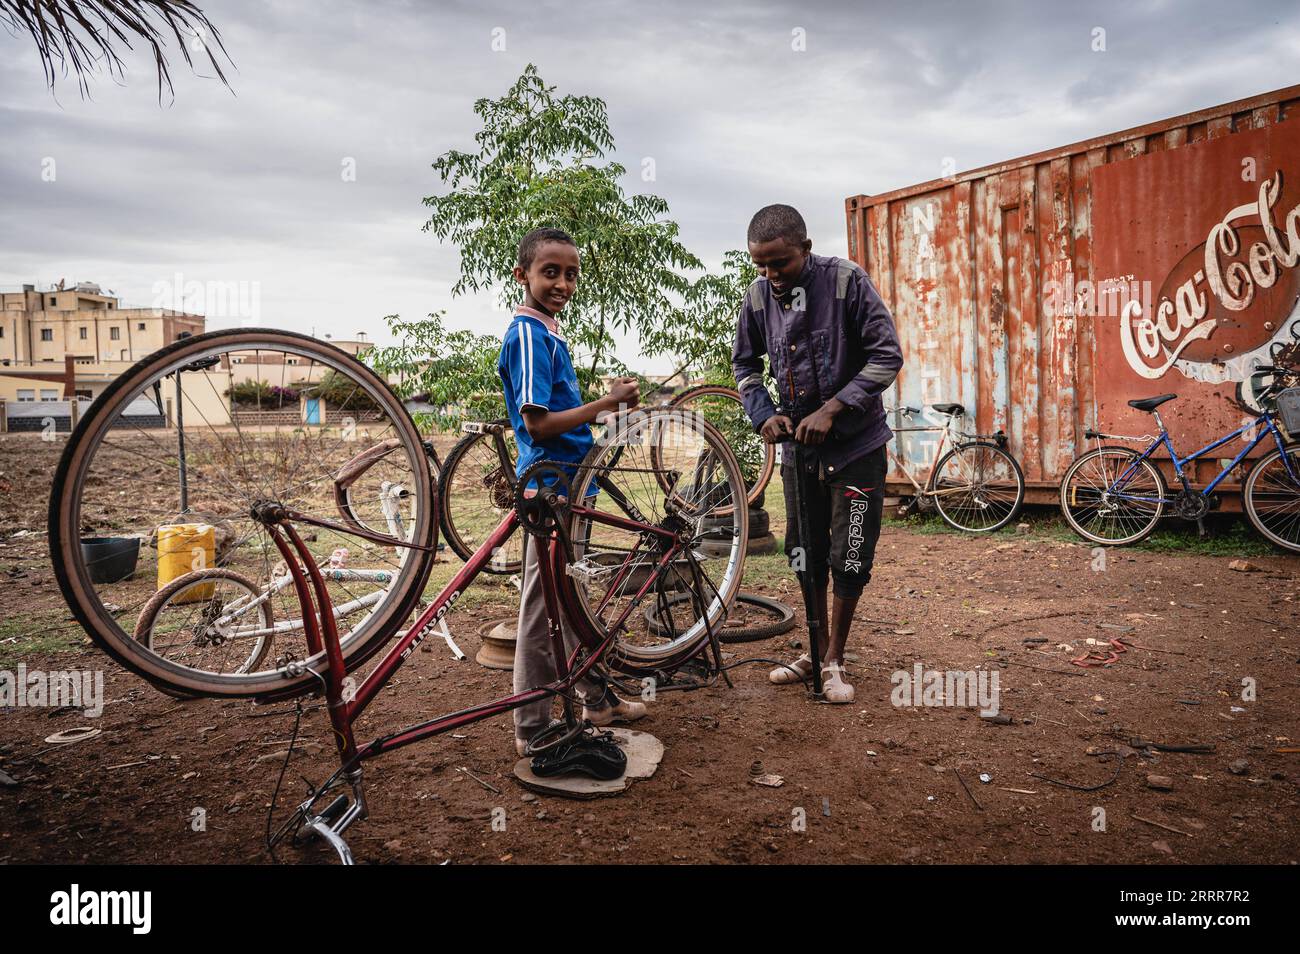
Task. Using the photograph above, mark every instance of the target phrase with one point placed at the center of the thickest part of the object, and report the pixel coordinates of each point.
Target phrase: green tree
(540, 161)
(700, 336)
(455, 370)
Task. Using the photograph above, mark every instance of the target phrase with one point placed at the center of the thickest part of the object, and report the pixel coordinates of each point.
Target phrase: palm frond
(77, 37)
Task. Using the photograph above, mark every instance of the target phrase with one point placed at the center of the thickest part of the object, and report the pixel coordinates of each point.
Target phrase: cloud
(247, 187)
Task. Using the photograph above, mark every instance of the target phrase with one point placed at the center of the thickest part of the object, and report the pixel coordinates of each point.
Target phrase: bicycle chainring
(539, 512)
(1191, 505)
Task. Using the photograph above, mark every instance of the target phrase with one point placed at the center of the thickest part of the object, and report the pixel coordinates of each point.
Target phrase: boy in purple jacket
(832, 350)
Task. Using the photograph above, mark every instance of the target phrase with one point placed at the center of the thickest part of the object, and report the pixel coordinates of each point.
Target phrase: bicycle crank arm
(451, 643)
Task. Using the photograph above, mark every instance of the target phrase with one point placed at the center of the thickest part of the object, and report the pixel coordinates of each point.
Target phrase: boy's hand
(814, 428)
(775, 426)
(624, 395)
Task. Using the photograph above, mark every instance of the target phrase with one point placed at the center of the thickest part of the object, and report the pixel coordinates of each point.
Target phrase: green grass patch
(1226, 534)
(30, 634)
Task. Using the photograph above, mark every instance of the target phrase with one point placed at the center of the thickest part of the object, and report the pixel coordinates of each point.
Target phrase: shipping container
(1045, 292)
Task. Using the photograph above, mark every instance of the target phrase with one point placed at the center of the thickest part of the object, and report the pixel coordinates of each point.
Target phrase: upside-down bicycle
(640, 519)
(476, 482)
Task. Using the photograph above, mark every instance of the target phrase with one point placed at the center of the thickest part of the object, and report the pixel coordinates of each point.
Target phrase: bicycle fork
(321, 629)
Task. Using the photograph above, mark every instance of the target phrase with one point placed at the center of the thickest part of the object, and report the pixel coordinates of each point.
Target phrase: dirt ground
(868, 782)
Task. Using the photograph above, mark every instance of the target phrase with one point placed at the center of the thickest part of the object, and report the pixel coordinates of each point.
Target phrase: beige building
(281, 370)
(60, 343)
(49, 338)
(43, 326)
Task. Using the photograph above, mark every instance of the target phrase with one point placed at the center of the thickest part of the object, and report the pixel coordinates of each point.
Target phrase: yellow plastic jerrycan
(184, 548)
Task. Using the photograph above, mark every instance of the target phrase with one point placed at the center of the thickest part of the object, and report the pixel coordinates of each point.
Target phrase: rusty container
(1045, 292)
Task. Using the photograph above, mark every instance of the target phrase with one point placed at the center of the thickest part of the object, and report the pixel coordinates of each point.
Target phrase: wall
(1014, 285)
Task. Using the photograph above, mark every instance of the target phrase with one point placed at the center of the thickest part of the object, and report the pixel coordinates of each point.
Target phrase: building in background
(65, 339)
(280, 370)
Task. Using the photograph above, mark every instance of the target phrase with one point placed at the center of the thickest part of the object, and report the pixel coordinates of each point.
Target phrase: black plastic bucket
(110, 559)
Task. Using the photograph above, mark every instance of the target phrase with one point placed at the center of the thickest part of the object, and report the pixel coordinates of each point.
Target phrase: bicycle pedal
(591, 570)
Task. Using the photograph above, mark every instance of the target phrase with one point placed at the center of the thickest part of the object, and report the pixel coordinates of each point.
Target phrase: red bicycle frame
(322, 632)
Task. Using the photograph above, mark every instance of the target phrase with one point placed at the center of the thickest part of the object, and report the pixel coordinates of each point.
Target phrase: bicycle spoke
(196, 486)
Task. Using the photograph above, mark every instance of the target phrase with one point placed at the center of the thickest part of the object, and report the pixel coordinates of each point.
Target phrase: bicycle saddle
(596, 755)
(1151, 403)
(955, 410)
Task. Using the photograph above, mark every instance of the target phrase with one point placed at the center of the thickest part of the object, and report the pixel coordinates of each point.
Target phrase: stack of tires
(761, 540)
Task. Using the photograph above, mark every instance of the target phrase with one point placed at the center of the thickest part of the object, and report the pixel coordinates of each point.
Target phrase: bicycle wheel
(977, 487)
(722, 407)
(209, 613)
(672, 471)
(170, 443)
(1271, 497)
(1106, 509)
(476, 488)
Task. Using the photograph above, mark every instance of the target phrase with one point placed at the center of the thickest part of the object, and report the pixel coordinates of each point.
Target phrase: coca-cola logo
(1230, 305)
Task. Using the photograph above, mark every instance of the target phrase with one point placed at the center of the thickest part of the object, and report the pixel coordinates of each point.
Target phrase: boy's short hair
(774, 222)
(530, 243)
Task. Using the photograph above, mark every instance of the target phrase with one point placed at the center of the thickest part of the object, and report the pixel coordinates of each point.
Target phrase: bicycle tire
(1120, 453)
(1250, 491)
(148, 617)
(783, 623)
(64, 520)
(450, 532)
(624, 656)
(144, 624)
(996, 451)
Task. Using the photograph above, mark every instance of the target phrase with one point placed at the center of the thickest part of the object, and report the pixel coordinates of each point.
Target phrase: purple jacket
(836, 339)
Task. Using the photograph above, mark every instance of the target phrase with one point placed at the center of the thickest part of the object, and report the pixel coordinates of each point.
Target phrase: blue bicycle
(1115, 495)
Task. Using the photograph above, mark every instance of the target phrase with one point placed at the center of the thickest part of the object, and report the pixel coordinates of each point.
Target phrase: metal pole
(801, 461)
(180, 439)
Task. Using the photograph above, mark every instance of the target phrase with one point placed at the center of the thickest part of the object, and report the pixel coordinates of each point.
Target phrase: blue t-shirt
(537, 371)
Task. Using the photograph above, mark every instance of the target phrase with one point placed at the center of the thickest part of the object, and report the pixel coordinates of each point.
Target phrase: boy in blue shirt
(551, 423)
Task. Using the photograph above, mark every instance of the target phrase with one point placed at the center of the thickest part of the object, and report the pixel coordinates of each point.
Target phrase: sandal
(834, 688)
(782, 676)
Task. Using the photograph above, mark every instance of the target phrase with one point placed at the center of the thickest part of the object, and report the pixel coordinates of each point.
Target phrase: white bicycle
(217, 619)
(976, 486)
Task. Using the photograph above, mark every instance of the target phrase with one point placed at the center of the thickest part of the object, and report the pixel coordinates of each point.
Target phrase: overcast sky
(216, 187)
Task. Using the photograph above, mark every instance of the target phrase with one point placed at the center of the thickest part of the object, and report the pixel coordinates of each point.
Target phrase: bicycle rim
(1272, 498)
(476, 490)
(723, 408)
(977, 487)
(215, 612)
(237, 454)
